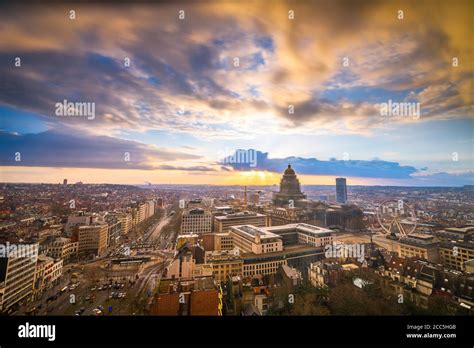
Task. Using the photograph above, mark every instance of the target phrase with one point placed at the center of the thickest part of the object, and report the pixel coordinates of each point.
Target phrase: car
(82, 309)
(97, 311)
(99, 288)
(93, 288)
(111, 295)
(122, 285)
(77, 313)
(88, 298)
(100, 308)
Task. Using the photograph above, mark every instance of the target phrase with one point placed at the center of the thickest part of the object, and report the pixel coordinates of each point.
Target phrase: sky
(179, 88)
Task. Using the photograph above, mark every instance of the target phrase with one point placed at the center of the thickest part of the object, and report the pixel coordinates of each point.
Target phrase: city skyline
(307, 88)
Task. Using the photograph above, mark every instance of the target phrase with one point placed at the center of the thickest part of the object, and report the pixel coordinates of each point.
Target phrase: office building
(341, 190)
(223, 223)
(63, 249)
(196, 221)
(17, 274)
(93, 239)
(419, 245)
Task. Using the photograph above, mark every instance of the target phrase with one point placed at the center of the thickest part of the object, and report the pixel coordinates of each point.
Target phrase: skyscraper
(341, 190)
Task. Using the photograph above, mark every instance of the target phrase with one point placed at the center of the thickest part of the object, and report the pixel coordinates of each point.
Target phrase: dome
(289, 170)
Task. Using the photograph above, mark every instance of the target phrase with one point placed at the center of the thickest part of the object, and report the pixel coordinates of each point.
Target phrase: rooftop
(252, 231)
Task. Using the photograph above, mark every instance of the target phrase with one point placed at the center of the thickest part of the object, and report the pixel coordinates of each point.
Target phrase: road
(156, 232)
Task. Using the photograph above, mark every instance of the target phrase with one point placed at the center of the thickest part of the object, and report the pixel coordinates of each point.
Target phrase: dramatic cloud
(183, 75)
(313, 166)
(228, 75)
(54, 149)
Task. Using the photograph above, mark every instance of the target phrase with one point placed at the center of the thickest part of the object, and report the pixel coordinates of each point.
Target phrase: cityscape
(234, 159)
(174, 250)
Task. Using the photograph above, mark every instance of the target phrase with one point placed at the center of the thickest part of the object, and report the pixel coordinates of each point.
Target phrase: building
(47, 274)
(290, 190)
(76, 220)
(114, 229)
(257, 240)
(63, 249)
(224, 264)
(341, 190)
(65, 182)
(143, 212)
(17, 274)
(195, 296)
(325, 273)
(454, 255)
(293, 234)
(419, 245)
(196, 221)
(223, 223)
(126, 223)
(283, 216)
(93, 239)
(469, 266)
(456, 246)
(182, 239)
(223, 241)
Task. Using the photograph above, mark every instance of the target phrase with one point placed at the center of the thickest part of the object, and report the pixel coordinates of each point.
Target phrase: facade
(113, 231)
(419, 245)
(224, 264)
(324, 273)
(79, 220)
(126, 222)
(143, 212)
(223, 241)
(93, 239)
(292, 234)
(341, 190)
(257, 240)
(196, 221)
(194, 296)
(63, 248)
(282, 216)
(17, 274)
(225, 222)
(456, 247)
(47, 273)
(290, 190)
(454, 255)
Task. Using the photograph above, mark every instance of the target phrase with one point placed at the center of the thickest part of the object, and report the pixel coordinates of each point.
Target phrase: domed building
(289, 188)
